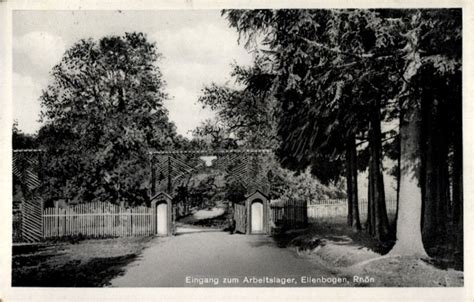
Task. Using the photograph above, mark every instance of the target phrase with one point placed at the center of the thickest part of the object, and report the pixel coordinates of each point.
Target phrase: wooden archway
(170, 169)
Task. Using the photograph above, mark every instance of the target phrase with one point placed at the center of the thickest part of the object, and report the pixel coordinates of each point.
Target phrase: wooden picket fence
(98, 220)
(292, 214)
(335, 201)
(334, 208)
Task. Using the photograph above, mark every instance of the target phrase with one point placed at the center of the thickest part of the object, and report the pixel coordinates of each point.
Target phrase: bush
(287, 185)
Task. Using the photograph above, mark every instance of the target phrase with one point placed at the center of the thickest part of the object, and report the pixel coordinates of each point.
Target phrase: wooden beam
(28, 150)
(211, 152)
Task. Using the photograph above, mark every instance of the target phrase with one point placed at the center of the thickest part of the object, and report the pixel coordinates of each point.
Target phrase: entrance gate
(171, 169)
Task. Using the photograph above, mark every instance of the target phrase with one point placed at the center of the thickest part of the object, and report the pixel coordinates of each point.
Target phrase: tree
(323, 69)
(353, 218)
(244, 115)
(326, 59)
(214, 135)
(103, 112)
(433, 49)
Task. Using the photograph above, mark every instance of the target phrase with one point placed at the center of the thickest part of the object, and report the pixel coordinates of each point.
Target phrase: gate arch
(169, 169)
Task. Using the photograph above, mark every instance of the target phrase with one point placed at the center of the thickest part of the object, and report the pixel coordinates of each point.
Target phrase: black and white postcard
(308, 150)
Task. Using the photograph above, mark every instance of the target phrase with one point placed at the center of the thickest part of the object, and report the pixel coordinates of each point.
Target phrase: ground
(214, 256)
(202, 255)
(215, 218)
(87, 263)
(348, 253)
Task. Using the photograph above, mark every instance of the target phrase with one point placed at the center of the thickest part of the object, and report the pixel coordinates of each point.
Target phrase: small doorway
(256, 213)
(162, 219)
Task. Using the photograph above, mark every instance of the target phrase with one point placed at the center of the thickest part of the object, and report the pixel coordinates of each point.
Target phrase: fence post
(294, 214)
(131, 221)
(42, 218)
(56, 216)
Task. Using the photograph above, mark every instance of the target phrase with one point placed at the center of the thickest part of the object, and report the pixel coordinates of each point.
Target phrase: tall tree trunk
(435, 177)
(379, 219)
(349, 184)
(458, 178)
(355, 192)
(398, 185)
(409, 241)
(430, 171)
(369, 223)
(444, 181)
(442, 212)
(353, 218)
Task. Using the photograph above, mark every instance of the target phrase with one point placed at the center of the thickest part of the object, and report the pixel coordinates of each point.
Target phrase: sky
(198, 48)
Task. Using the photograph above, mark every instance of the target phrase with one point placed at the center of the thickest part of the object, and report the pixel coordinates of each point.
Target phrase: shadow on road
(184, 231)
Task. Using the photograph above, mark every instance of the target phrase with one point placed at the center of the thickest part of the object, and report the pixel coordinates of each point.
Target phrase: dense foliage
(103, 112)
(287, 185)
(337, 74)
(244, 116)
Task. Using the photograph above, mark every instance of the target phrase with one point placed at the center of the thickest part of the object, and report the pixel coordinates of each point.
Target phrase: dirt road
(210, 258)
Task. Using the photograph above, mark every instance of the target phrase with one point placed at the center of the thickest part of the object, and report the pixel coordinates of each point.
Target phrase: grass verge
(88, 263)
(356, 254)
